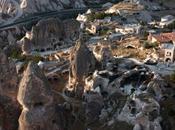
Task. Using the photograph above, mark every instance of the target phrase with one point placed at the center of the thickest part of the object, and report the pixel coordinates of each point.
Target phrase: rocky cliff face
(82, 63)
(32, 6)
(35, 95)
(50, 34)
(8, 77)
(9, 108)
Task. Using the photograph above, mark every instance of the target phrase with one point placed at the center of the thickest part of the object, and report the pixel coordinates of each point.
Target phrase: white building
(167, 20)
(129, 29)
(169, 53)
(81, 18)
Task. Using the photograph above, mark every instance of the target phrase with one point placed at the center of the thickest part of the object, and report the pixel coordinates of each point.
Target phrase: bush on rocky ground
(98, 15)
(172, 77)
(148, 45)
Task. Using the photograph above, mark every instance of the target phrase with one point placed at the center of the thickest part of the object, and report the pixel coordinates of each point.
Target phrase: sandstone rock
(93, 107)
(11, 39)
(96, 81)
(9, 108)
(26, 45)
(32, 6)
(137, 127)
(50, 34)
(9, 113)
(103, 53)
(8, 77)
(34, 88)
(45, 31)
(82, 62)
(36, 98)
(71, 29)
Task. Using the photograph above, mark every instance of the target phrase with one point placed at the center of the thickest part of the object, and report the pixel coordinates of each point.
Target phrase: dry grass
(132, 53)
(127, 6)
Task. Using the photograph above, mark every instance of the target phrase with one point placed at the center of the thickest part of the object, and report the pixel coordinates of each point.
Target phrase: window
(168, 54)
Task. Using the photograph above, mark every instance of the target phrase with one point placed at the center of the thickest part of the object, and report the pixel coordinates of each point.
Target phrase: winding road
(62, 14)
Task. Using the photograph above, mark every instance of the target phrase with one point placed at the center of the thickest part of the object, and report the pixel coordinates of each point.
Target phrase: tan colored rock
(35, 96)
(34, 88)
(50, 34)
(93, 107)
(82, 62)
(8, 77)
(71, 29)
(32, 6)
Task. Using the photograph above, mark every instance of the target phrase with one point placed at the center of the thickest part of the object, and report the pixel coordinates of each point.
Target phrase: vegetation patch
(98, 15)
(17, 54)
(148, 45)
(172, 77)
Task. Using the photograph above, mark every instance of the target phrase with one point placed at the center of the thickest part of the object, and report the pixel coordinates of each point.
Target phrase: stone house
(167, 20)
(129, 29)
(166, 43)
(94, 28)
(169, 53)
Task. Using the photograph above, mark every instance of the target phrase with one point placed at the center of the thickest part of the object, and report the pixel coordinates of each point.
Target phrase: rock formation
(9, 108)
(132, 97)
(82, 62)
(33, 6)
(35, 95)
(103, 53)
(94, 104)
(71, 29)
(8, 77)
(50, 34)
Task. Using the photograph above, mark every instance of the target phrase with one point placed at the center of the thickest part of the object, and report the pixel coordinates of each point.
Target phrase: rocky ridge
(33, 6)
(36, 97)
(9, 107)
(50, 34)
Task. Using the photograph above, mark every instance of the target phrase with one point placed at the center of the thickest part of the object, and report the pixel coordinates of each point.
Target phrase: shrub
(37, 58)
(148, 45)
(16, 54)
(103, 32)
(34, 58)
(172, 77)
(98, 15)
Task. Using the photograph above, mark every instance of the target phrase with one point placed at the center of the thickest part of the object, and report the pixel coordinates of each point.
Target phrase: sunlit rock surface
(35, 95)
(50, 34)
(32, 6)
(82, 63)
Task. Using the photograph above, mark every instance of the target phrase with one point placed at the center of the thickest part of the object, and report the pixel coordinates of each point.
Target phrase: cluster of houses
(166, 42)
